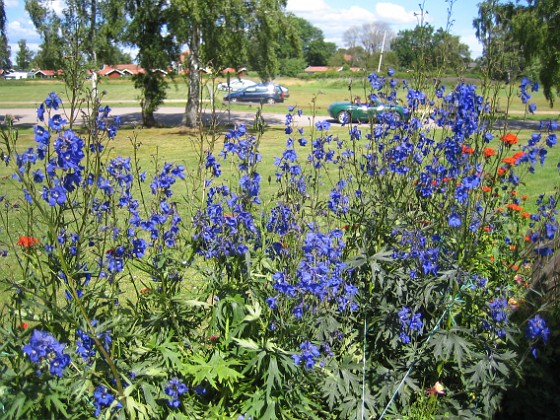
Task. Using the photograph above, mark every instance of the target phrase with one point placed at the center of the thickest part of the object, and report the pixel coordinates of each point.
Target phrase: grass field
(180, 145)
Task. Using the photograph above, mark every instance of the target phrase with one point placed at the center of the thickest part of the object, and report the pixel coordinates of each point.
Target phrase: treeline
(262, 36)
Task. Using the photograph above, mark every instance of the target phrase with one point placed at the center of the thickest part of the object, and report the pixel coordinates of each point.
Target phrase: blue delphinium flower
(309, 354)
(323, 125)
(175, 388)
(41, 112)
(537, 330)
(454, 220)
(499, 316)
(57, 123)
(43, 348)
(338, 201)
(411, 323)
(85, 346)
(55, 195)
(103, 398)
(282, 220)
(53, 101)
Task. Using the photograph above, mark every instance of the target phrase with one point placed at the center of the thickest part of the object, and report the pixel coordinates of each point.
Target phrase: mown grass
(181, 145)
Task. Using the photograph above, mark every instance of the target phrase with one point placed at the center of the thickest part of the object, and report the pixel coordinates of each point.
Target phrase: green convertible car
(344, 112)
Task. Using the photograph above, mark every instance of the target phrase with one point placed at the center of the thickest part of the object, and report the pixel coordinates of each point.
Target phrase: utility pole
(382, 49)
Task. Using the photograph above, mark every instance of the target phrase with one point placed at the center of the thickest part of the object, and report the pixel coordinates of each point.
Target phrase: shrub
(391, 273)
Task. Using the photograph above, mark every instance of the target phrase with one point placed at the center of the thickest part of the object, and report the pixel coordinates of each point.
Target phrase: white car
(235, 85)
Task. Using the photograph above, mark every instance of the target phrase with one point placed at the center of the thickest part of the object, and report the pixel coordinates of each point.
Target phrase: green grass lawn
(180, 145)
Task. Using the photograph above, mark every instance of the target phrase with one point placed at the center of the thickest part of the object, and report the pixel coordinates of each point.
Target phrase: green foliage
(156, 50)
(24, 55)
(5, 62)
(423, 45)
(292, 67)
(389, 274)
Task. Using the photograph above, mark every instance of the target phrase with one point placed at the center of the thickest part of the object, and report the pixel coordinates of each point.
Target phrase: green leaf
(246, 344)
(54, 400)
(254, 312)
(272, 376)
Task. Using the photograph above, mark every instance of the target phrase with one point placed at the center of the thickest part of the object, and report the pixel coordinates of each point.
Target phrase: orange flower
(514, 207)
(487, 229)
(509, 139)
(524, 197)
(27, 242)
(518, 155)
(467, 150)
(526, 214)
(486, 189)
(501, 171)
(145, 290)
(24, 326)
(488, 151)
(446, 179)
(510, 160)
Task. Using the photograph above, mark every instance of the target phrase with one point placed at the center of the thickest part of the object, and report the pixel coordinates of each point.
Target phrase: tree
(502, 58)
(48, 24)
(530, 35)
(156, 50)
(5, 62)
(351, 37)
(100, 24)
(370, 37)
(23, 56)
(425, 47)
(228, 33)
(409, 44)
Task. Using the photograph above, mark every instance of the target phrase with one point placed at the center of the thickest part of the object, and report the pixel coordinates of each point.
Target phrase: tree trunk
(191, 117)
(148, 119)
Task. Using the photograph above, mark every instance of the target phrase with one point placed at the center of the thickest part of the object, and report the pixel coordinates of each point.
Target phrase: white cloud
(58, 6)
(334, 21)
(395, 14)
(474, 46)
(18, 30)
(308, 6)
(11, 3)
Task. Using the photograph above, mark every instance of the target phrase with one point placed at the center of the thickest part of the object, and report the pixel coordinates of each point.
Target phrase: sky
(333, 17)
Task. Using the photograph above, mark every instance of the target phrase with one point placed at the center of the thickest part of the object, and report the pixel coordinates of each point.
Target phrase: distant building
(124, 70)
(12, 74)
(46, 74)
(324, 69)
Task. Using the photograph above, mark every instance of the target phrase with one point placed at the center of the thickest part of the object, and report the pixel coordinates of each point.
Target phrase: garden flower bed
(392, 272)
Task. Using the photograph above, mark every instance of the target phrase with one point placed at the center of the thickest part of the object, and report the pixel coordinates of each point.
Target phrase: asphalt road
(166, 116)
(171, 116)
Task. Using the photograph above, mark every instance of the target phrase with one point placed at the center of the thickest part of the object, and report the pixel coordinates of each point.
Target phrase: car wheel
(270, 101)
(343, 117)
(233, 100)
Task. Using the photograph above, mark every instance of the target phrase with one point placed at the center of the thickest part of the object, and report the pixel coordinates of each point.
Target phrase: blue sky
(333, 17)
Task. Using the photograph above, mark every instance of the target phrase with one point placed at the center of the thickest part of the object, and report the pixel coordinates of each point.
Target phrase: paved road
(166, 116)
(171, 116)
